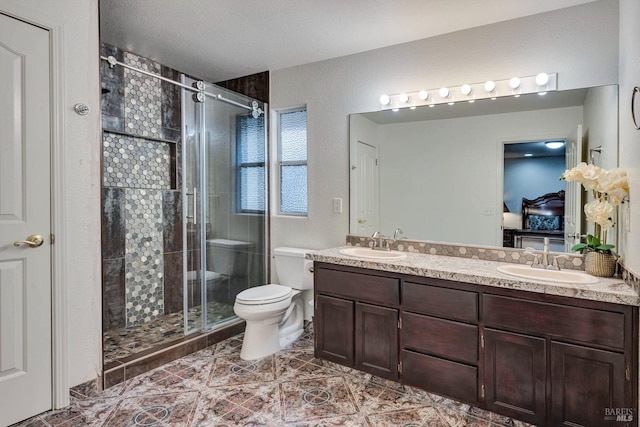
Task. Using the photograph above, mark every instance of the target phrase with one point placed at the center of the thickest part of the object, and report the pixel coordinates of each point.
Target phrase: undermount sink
(558, 276)
(370, 253)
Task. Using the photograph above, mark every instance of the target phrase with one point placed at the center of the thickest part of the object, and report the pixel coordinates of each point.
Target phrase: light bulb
(542, 79)
(404, 98)
(385, 100)
(465, 89)
(490, 86)
(444, 92)
(554, 145)
(514, 83)
(423, 94)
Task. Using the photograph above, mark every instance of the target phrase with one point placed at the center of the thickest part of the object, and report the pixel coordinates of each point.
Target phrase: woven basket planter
(600, 264)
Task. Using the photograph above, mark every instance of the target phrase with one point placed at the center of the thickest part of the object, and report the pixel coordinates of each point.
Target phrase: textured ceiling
(221, 39)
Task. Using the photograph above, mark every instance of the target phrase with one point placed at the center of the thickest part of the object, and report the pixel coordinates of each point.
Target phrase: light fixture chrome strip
(199, 89)
(516, 86)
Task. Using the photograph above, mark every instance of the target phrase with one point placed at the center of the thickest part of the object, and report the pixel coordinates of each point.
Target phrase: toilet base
(292, 326)
(261, 339)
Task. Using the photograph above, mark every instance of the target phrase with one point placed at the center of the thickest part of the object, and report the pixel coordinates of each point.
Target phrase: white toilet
(275, 313)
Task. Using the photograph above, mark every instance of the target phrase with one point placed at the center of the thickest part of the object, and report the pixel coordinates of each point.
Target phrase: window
(250, 146)
(292, 161)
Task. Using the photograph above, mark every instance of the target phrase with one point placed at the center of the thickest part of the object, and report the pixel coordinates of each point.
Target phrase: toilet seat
(266, 294)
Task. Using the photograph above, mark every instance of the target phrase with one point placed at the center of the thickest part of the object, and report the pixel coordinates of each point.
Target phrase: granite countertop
(482, 272)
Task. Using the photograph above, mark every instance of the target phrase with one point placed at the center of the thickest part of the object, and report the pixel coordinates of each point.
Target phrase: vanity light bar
(516, 86)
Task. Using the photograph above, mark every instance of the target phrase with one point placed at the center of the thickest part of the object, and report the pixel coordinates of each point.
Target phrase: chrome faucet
(379, 243)
(548, 262)
(545, 253)
(396, 233)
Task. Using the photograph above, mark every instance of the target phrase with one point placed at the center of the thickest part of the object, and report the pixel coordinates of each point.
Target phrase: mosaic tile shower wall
(135, 162)
(143, 97)
(141, 204)
(143, 256)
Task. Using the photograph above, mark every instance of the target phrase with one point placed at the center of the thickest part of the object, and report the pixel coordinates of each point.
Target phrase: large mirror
(459, 173)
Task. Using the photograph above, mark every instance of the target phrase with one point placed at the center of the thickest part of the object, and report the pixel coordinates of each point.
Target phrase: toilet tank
(293, 269)
(228, 257)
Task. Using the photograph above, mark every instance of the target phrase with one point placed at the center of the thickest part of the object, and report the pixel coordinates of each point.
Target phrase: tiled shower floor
(214, 387)
(121, 343)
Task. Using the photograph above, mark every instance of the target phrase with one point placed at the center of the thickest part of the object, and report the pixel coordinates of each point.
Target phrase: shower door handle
(193, 206)
(195, 217)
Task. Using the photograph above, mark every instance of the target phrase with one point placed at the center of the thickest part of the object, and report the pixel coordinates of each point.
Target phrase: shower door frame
(199, 206)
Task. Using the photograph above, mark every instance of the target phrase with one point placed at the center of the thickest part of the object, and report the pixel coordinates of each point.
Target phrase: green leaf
(605, 247)
(579, 247)
(593, 241)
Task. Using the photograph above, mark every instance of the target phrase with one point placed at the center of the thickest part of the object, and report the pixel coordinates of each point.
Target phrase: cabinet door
(333, 325)
(515, 375)
(587, 386)
(377, 340)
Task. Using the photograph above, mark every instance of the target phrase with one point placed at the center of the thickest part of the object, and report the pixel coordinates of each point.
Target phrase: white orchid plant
(610, 188)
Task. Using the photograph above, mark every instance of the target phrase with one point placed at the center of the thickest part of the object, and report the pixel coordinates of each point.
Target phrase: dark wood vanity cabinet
(439, 338)
(567, 362)
(539, 358)
(515, 375)
(355, 328)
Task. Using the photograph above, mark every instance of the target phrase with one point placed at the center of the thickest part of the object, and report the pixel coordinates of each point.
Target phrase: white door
(25, 271)
(573, 194)
(364, 173)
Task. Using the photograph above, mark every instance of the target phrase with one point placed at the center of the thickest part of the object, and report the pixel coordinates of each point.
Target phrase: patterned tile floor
(214, 387)
(124, 342)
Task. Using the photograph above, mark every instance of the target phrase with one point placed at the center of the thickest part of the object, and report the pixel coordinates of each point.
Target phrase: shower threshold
(124, 343)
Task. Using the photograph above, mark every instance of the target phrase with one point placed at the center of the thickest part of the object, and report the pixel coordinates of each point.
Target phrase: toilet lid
(265, 294)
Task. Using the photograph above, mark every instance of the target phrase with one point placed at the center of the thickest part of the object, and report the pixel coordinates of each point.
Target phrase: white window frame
(237, 180)
(280, 163)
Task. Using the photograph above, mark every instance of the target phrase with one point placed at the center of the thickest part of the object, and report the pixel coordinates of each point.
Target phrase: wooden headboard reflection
(550, 204)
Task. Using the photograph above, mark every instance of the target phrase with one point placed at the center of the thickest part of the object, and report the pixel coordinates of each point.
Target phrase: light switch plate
(337, 205)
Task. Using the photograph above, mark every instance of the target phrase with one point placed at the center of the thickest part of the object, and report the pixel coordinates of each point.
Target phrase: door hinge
(627, 373)
(482, 391)
(53, 238)
(482, 340)
(400, 323)
(400, 367)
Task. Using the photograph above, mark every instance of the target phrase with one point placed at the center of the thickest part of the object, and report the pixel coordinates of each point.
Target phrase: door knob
(361, 221)
(34, 241)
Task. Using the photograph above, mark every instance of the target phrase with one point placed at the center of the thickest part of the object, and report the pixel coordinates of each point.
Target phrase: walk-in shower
(184, 205)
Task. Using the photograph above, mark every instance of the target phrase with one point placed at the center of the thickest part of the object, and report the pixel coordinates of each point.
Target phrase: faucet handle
(396, 233)
(555, 260)
(536, 257)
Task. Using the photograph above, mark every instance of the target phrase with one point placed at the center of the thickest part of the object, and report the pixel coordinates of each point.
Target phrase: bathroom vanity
(541, 353)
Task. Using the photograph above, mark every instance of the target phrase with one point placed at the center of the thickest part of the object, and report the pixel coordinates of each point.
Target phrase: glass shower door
(192, 190)
(225, 174)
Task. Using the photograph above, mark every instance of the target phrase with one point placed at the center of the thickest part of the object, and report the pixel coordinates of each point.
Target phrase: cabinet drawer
(358, 287)
(440, 376)
(585, 325)
(452, 340)
(440, 302)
